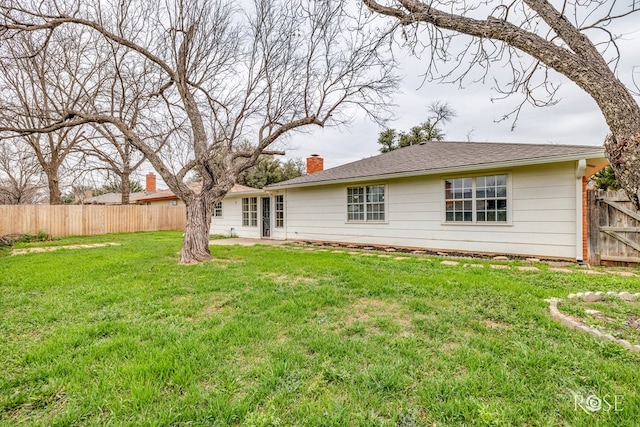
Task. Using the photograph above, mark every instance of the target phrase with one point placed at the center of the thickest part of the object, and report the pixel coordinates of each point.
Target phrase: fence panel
(84, 220)
(614, 228)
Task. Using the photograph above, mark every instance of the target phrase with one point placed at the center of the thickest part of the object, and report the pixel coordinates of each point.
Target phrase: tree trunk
(55, 196)
(195, 246)
(125, 186)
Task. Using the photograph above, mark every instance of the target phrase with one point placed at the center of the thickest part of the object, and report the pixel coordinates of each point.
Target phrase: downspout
(580, 173)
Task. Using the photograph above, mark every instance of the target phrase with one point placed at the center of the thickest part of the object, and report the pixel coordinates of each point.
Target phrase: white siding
(231, 220)
(542, 208)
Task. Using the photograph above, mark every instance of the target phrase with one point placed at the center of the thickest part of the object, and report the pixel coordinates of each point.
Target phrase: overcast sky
(576, 119)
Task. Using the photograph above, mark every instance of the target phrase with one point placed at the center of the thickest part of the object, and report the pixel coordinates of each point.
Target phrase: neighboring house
(116, 198)
(523, 199)
(167, 197)
(112, 199)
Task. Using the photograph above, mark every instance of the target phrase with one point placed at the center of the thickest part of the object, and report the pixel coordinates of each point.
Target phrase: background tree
(605, 179)
(116, 186)
(21, 177)
(576, 40)
(40, 76)
(223, 75)
(270, 170)
(390, 139)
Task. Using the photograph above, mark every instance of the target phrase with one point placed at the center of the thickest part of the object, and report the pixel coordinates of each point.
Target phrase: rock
(591, 311)
(499, 266)
(608, 337)
(626, 296)
(612, 294)
(560, 270)
(591, 297)
(368, 248)
(400, 258)
(636, 348)
(473, 266)
(580, 295)
(571, 296)
(533, 260)
(418, 252)
(501, 258)
(626, 344)
(445, 262)
(595, 332)
(390, 249)
(528, 269)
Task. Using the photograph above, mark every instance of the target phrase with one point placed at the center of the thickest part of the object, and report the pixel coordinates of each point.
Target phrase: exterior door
(266, 217)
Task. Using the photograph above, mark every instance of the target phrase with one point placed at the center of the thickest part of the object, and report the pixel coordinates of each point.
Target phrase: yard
(122, 335)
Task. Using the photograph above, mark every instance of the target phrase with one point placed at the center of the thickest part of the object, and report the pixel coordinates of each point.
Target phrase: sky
(576, 119)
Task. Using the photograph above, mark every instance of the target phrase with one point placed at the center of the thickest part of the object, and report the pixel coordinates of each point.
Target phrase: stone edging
(580, 326)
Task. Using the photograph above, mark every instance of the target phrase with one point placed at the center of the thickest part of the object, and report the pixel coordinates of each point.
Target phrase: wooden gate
(614, 228)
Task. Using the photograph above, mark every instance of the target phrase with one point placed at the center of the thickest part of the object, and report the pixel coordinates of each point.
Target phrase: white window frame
(278, 203)
(368, 204)
(217, 210)
(474, 199)
(249, 211)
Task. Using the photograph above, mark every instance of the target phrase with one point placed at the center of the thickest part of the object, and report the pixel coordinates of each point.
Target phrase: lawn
(122, 335)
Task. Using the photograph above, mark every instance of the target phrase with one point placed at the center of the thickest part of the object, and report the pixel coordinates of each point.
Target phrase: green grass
(122, 335)
(612, 315)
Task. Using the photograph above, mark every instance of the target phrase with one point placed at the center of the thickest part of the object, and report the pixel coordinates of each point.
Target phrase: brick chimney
(151, 183)
(315, 164)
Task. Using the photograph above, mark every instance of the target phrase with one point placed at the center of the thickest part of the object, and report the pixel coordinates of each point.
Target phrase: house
(521, 199)
(167, 197)
(116, 198)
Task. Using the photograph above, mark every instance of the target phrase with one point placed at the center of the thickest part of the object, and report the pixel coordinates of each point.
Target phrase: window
(279, 211)
(366, 203)
(217, 210)
(173, 202)
(476, 200)
(250, 211)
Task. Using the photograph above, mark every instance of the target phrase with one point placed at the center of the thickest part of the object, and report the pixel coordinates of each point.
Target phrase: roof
(444, 157)
(195, 186)
(112, 199)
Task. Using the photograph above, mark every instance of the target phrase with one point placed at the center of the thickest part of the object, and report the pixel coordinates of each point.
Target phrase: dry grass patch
(290, 279)
(495, 324)
(377, 316)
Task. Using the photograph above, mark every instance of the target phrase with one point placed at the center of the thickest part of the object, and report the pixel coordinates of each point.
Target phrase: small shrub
(40, 236)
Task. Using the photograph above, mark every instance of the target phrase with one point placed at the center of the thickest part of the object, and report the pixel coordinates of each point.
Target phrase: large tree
(223, 75)
(41, 78)
(573, 37)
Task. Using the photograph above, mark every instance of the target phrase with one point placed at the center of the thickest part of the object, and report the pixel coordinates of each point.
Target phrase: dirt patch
(55, 248)
(494, 324)
(634, 322)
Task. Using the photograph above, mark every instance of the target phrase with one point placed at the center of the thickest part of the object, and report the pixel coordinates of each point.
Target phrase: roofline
(174, 197)
(479, 167)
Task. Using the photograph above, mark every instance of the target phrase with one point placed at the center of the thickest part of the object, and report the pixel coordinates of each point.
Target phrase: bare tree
(21, 177)
(230, 75)
(575, 40)
(41, 76)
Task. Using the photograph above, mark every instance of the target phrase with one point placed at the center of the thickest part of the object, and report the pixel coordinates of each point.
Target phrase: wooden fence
(614, 228)
(83, 220)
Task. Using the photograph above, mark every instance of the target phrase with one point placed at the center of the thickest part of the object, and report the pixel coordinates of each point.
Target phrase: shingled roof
(442, 157)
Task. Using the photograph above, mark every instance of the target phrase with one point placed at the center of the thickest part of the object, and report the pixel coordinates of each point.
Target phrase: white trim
(365, 221)
(474, 222)
(581, 167)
